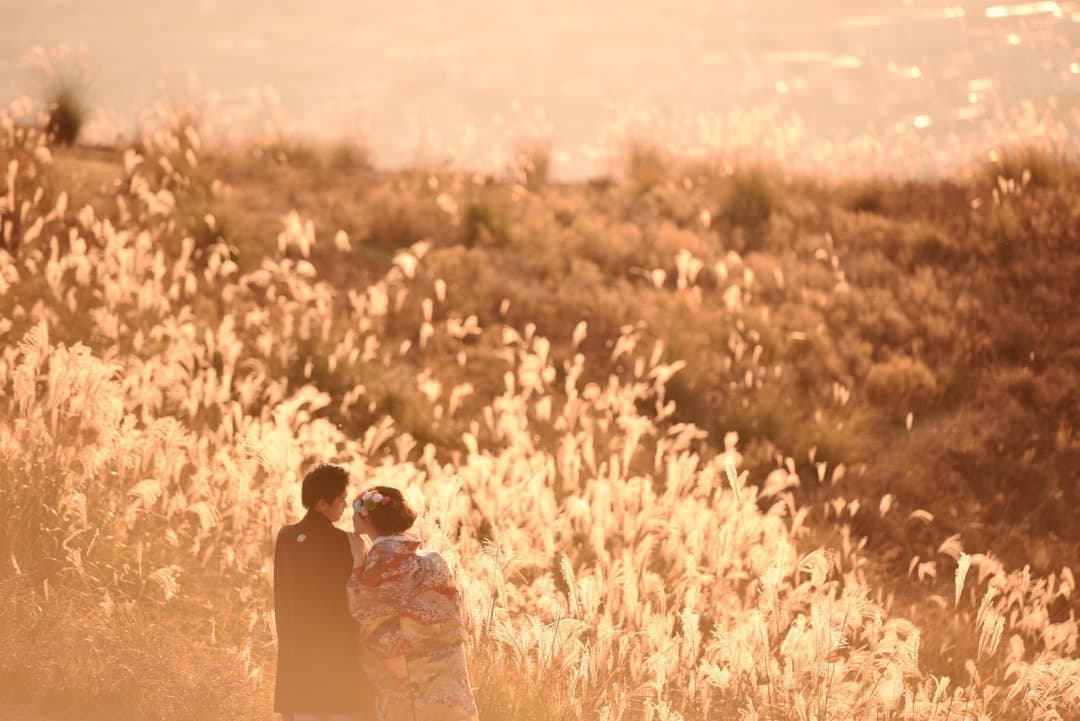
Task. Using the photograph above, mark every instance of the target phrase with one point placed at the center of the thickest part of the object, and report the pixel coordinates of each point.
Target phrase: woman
(409, 614)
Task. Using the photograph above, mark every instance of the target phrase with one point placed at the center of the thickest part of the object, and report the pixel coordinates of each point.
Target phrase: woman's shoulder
(389, 546)
(390, 554)
(435, 565)
(378, 554)
(433, 558)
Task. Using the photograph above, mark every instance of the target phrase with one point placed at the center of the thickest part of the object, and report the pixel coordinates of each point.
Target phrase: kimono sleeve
(359, 547)
(371, 605)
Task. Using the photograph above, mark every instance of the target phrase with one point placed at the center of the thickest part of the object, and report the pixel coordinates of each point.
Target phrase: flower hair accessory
(368, 501)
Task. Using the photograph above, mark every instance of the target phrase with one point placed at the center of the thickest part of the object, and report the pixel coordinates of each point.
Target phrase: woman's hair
(390, 516)
(324, 482)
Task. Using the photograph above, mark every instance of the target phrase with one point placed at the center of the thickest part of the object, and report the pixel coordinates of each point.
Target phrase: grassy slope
(821, 316)
(868, 302)
(954, 302)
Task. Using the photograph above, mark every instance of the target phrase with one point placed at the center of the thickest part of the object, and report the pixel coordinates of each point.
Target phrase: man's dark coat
(317, 671)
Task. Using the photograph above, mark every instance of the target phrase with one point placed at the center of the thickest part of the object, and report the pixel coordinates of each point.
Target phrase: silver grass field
(159, 400)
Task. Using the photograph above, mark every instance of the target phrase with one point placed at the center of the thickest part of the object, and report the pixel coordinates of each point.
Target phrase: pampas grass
(158, 407)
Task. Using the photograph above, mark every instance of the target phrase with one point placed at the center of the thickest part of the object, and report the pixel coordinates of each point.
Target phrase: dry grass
(622, 556)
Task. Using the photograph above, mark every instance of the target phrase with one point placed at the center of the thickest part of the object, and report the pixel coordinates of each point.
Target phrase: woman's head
(385, 509)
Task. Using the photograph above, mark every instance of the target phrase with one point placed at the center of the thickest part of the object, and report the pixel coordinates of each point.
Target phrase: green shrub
(901, 384)
(1030, 167)
(645, 166)
(750, 200)
(351, 158)
(396, 218)
(485, 222)
(292, 152)
(869, 198)
(927, 245)
(755, 415)
(840, 436)
(611, 247)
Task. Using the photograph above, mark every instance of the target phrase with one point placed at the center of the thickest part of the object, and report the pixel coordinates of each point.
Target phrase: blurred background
(908, 86)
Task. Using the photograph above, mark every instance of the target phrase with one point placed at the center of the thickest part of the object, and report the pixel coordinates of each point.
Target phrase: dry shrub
(1029, 167)
(397, 217)
(750, 199)
(486, 222)
(67, 114)
(292, 152)
(927, 245)
(614, 248)
(645, 166)
(532, 165)
(65, 85)
(901, 384)
(351, 158)
(869, 198)
(1006, 228)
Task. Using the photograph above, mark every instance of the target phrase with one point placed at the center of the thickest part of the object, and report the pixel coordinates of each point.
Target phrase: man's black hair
(324, 482)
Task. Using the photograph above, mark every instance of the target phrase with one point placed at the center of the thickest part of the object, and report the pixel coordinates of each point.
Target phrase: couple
(366, 629)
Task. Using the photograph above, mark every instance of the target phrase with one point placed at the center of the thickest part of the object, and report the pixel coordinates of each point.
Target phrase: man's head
(323, 490)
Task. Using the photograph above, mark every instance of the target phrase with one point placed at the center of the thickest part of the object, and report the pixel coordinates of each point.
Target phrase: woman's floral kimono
(411, 633)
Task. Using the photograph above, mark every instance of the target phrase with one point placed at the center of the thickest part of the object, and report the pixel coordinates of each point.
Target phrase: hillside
(812, 318)
(889, 361)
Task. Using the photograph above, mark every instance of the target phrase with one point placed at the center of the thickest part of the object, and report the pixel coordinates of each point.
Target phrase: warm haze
(728, 353)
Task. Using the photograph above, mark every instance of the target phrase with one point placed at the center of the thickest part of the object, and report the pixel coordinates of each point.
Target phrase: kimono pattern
(412, 639)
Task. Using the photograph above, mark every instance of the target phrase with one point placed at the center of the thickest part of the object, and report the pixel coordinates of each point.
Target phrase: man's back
(317, 659)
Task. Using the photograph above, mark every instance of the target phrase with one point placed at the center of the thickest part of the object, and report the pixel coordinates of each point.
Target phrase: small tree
(67, 113)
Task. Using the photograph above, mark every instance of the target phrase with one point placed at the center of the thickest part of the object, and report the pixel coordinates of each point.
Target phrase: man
(318, 677)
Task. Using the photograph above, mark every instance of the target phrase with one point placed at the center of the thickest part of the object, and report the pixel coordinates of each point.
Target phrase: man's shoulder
(287, 531)
(286, 538)
(320, 531)
(328, 531)
(341, 539)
